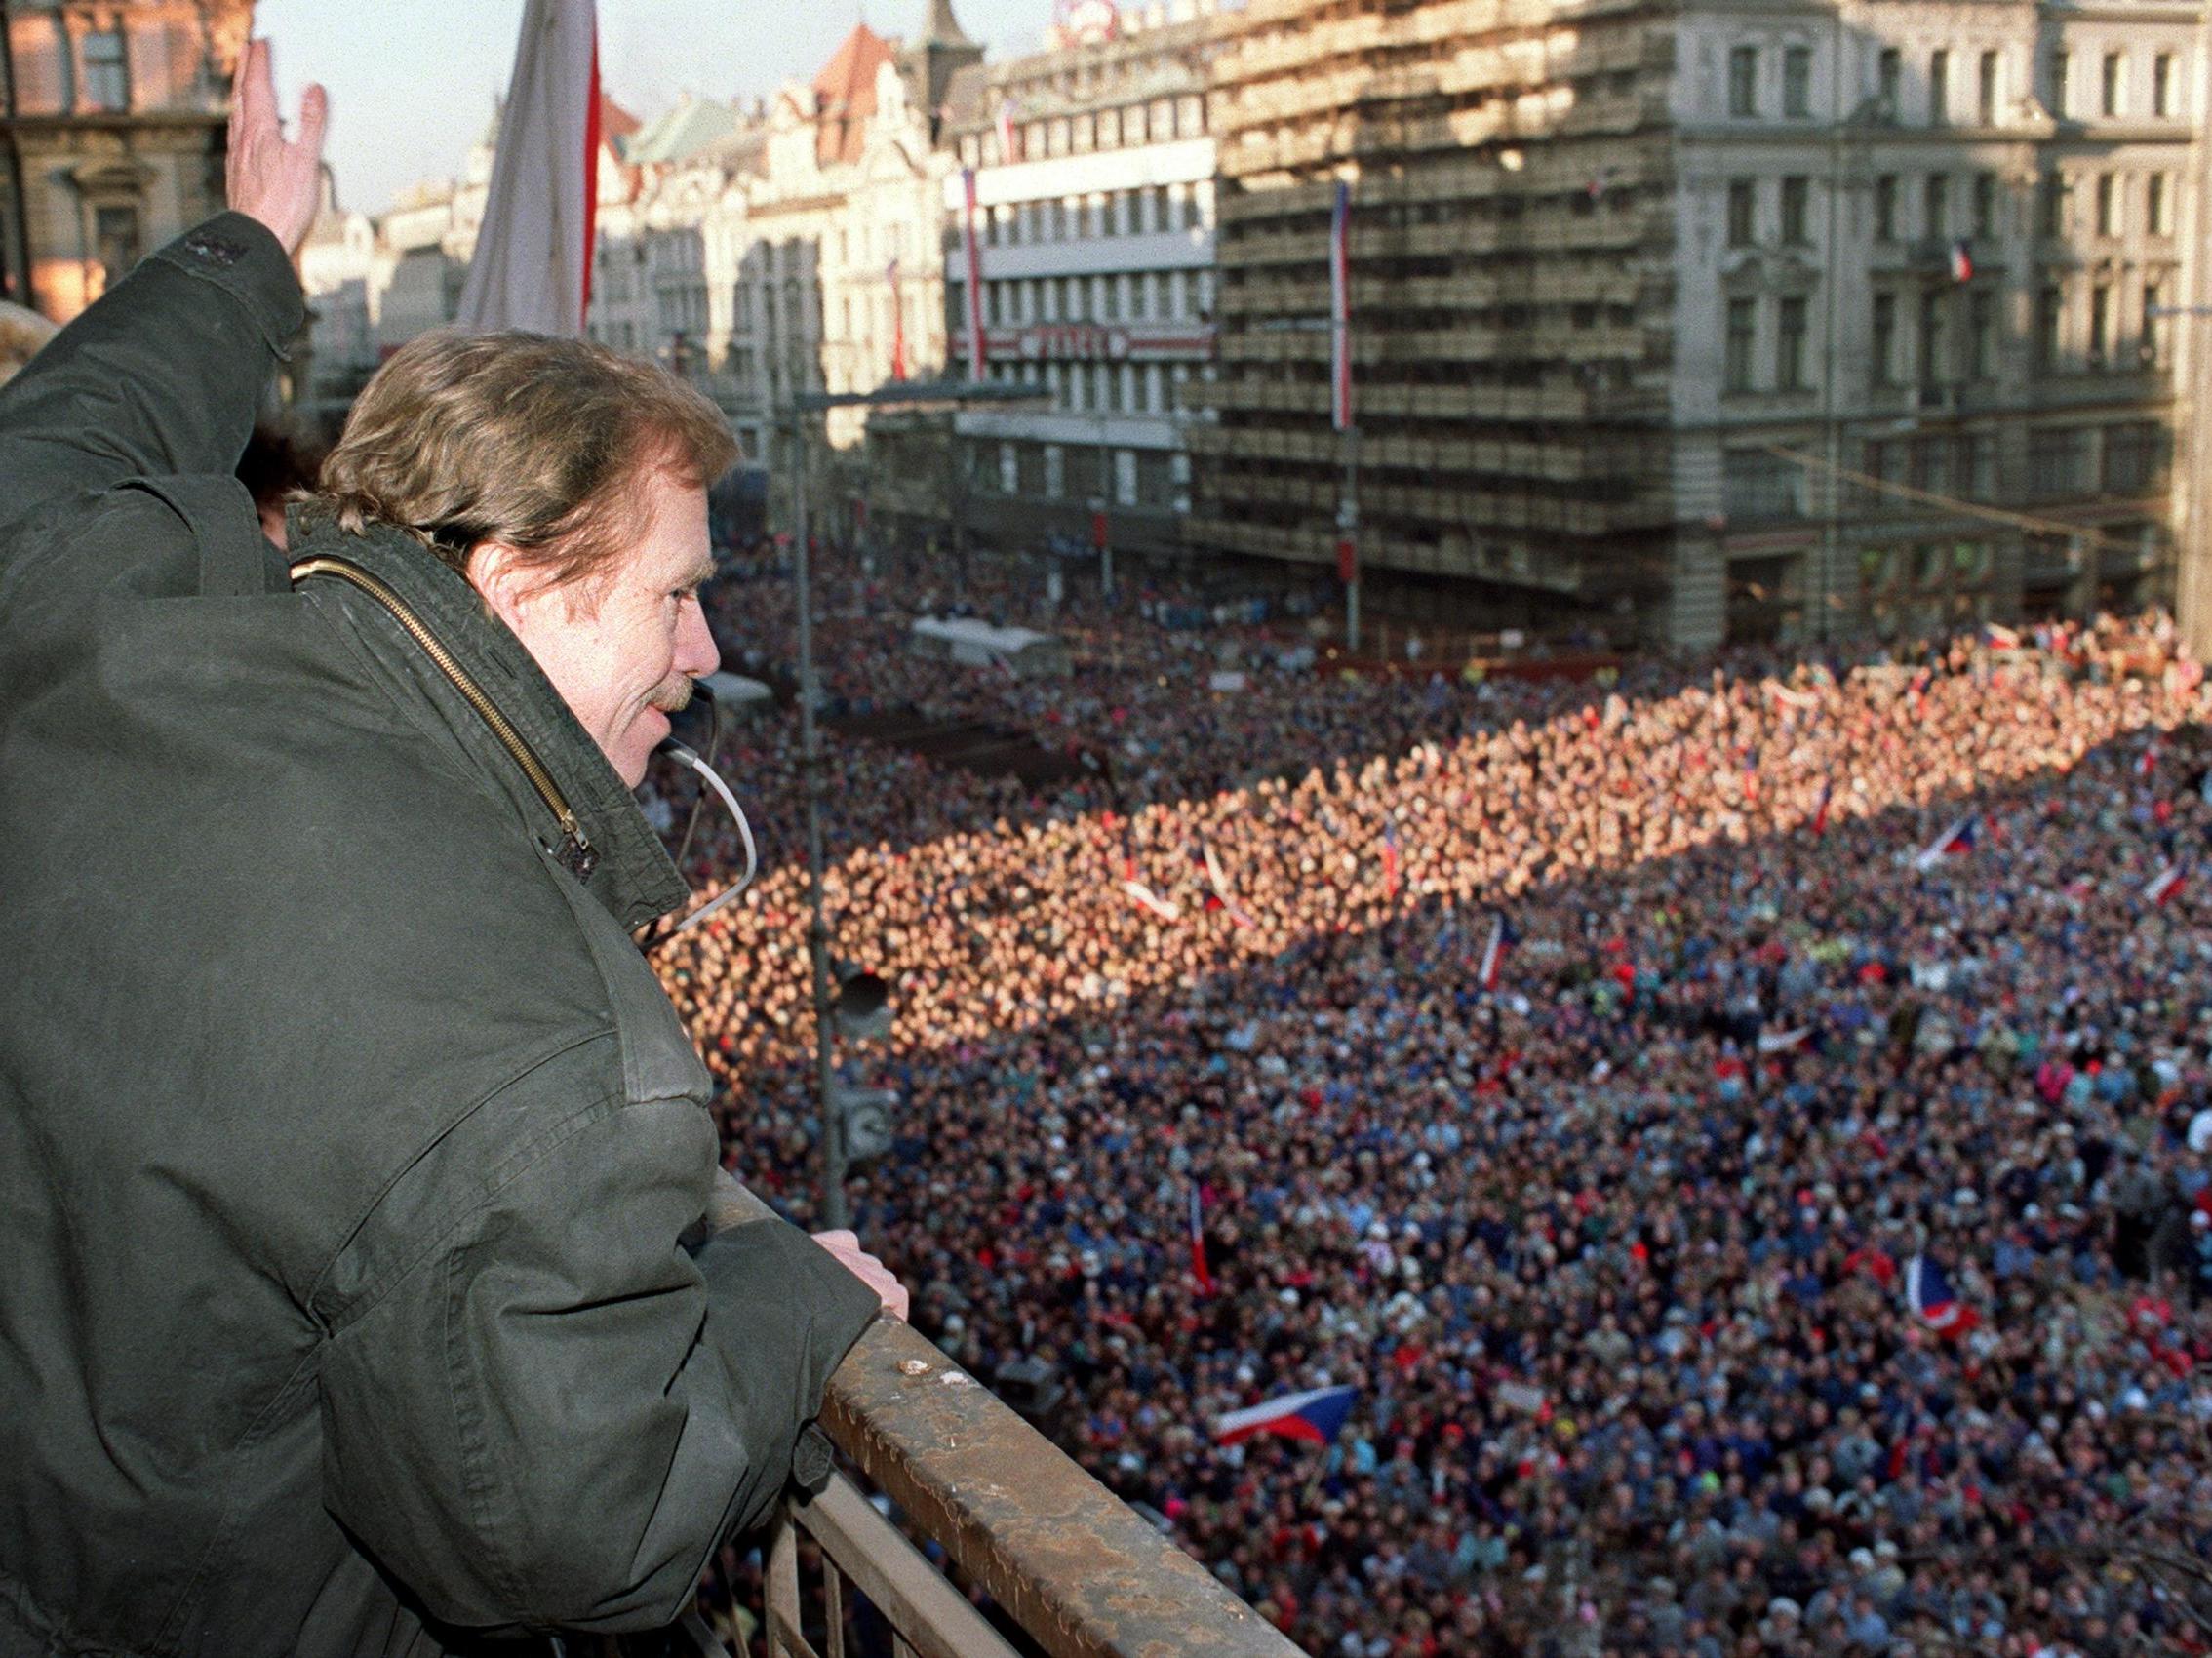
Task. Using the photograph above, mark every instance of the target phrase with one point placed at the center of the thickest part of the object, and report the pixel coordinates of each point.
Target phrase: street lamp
(899, 394)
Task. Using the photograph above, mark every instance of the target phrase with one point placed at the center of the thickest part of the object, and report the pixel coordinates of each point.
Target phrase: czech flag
(1934, 1303)
(1502, 939)
(531, 267)
(1153, 902)
(2165, 884)
(1217, 887)
(1819, 812)
(1390, 860)
(2146, 764)
(1316, 1416)
(1961, 262)
(1955, 841)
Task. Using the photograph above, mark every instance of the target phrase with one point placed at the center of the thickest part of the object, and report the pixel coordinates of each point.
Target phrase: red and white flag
(1010, 141)
(532, 268)
(2165, 884)
(1147, 898)
(1340, 310)
(897, 326)
(974, 274)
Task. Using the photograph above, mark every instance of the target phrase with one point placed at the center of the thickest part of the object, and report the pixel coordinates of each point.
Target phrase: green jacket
(346, 1143)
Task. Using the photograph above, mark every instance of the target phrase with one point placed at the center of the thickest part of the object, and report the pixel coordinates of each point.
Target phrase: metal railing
(1062, 1558)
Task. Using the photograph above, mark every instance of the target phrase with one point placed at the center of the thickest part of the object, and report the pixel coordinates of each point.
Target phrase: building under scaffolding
(1682, 323)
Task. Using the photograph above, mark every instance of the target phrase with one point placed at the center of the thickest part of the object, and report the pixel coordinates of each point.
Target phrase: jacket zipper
(575, 852)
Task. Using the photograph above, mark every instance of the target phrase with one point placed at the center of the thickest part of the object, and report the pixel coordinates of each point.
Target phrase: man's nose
(696, 652)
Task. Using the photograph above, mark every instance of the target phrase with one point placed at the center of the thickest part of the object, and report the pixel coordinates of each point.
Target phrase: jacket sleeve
(162, 375)
(558, 1414)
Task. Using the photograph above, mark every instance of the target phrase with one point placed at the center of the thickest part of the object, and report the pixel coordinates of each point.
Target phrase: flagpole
(1348, 523)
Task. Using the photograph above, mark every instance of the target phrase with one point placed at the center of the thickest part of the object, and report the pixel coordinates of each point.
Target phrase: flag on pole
(1819, 812)
(1958, 839)
(1928, 1292)
(1316, 1416)
(1502, 939)
(1961, 262)
(897, 326)
(531, 267)
(1199, 1268)
(1147, 898)
(1390, 860)
(1010, 144)
(974, 275)
(1340, 310)
(2166, 883)
(1217, 887)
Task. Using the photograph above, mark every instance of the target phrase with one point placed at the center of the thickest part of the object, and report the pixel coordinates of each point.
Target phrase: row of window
(1101, 388)
(1953, 335)
(1937, 210)
(2126, 459)
(1941, 95)
(1152, 295)
(95, 78)
(1155, 122)
(1146, 211)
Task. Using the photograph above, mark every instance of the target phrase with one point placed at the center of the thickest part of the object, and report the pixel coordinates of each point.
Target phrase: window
(2100, 324)
(1883, 365)
(2107, 205)
(1985, 204)
(1797, 196)
(1743, 81)
(2051, 207)
(1936, 207)
(2154, 216)
(1756, 487)
(1934, 368)
(2136, 457)
(1889, 72)
(2060, 71)
(1980, 335)
(2050, 318)
(1797, 82)
(2057, 461)
(1790, 345)
(1986, 90)
(106, 80)
(1885, 208)
(2150, 346)
(1743, 203)
(2162, 86)
(1939, 88)
(1742, 340)
(115, 237)
(2108, 85)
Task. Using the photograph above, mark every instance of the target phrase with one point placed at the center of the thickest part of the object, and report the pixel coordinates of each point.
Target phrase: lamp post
(899, 394)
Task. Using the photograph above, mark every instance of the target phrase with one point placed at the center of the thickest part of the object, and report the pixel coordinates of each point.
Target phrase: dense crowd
(1616, 1251)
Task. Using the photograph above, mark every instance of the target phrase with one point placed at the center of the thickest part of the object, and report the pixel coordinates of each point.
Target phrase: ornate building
(114, 125)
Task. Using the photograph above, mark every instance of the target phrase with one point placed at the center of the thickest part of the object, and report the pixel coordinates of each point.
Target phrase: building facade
(1093, 176)
(1717, 323)
(115, 116)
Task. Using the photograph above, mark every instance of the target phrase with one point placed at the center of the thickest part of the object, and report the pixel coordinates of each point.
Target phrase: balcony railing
(1060, 1554)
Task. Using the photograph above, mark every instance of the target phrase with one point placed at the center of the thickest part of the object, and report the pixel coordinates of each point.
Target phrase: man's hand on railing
(265, 177)
(846, 1246)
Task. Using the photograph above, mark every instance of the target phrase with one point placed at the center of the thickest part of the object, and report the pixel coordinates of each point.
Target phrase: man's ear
(505, 583)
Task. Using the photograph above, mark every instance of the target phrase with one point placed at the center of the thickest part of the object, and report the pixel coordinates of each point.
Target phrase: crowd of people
(1744, 1130)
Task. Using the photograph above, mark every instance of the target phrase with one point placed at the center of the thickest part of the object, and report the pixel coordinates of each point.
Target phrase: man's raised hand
(268, 178)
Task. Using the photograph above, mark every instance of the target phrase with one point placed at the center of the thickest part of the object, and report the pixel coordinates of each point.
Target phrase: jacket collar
(633, 877)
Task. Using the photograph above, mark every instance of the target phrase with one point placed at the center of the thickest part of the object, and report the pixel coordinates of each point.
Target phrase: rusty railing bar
(1070, 1562)
(929, 1615)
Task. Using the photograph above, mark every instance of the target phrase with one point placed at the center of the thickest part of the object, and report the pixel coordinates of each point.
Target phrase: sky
(412, 81)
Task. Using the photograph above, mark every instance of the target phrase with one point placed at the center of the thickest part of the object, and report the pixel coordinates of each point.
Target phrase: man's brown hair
(542, 444)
